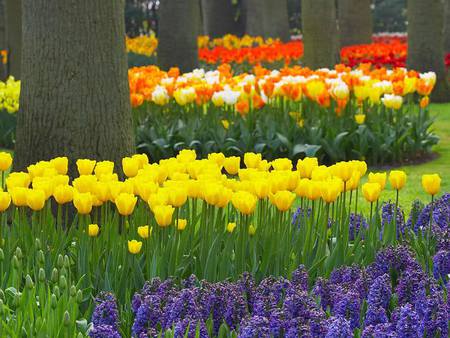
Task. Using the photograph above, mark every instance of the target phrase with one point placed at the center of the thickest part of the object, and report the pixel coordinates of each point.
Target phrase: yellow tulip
(397, 178)
(330, 190)
(186, 156)
(63, 194)
(306, 166)
(85, 183)
(18, 179)
(282, 199)
(244, 202)
(19, 196)
(261, 189)
(142, 158)
(231, 226)
(379, 178)
(232, 165)
(36, 199)
(134, 246)
(159, 198)
(5, 161)
(371, 191)
(130, 166)
(431, 184)
(251, 230)
(181, 223)
(218, 158)
(360, 118)
(282, 164)
(163, 214)
(5, 200)
(177, 196)
(145, 189)
(251, 160)
(83, 202)
(93, 230)
(61, 164)
(144, 231)
(313, 190)
(343, 170)
(104, 168)
(85, 166)
(125, 203)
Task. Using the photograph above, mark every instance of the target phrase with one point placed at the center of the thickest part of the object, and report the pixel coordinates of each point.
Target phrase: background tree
(426, 43)
(320, 38)
(2, 38)
(222, 17)
(355, 22)
(447, 28)
(75, 96)
(13, 9)
(178, 27)
(267, 18)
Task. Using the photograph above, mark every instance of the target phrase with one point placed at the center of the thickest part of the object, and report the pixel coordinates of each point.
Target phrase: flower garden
(260, 198)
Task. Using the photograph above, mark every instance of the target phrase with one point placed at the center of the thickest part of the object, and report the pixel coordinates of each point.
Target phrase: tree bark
(267, 18)
(355, 22)
(75, 96)
(447, 28)
(177, 45)
(14, 36)
(426, 42)
(220, 18)
(320, 38)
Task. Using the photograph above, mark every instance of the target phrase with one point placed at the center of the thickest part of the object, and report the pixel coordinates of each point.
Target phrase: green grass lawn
(441, 165)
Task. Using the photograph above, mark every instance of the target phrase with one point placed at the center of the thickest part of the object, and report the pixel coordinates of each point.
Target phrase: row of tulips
(209, 217)
(285, 113)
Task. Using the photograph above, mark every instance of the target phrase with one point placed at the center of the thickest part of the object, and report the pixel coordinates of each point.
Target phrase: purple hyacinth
(407, 324)
(441, 265)
(147, 315)
(356, 224)
(255, 326)
(301, 216)
(396, 258)
(385, 330)
(348, 306)
(411, 287)
(105, 317)
(380, 292)
(387, 218)
(338, 327)
(375, 316)
(181, 306)
(414, 214)
(435, 317)
(300, 278)
(190, 326)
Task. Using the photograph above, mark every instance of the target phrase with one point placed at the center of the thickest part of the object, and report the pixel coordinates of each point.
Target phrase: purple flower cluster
(105, 319)
(387, 218)
(356, 224)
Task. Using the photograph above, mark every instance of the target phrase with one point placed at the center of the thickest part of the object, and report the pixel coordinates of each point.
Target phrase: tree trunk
(267, 18)
(426, 41)
(355, 22)
(320, 38)
(3, 46)
(447, 28)
(14, 36)
(219, 18)
(75, 96)
(178, 35)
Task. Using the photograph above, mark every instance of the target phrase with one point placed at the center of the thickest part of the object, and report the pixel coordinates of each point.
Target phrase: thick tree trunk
(447, 28)
(3, 46)
(14, 36)
(178, 34)
(75, 96)
(320, 38)
(267, 18)
(426, 41)
(355, 22)
(219, 18)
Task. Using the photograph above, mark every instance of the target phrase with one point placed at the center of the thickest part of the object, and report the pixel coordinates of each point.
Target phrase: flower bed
(338, 114)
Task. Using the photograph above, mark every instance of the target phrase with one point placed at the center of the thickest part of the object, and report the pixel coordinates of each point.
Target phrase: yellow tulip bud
(330, 190)
(83, 202)
(36, 199)
(181, 223)
(360, 118)
(306, 166)
(282, 164)
(177, 196)
(218, 158)
(5, 161)
(163, 214)
(371, 191)
(251, 230)
(144, 231)
(244, 202)
(104, 168)
(232, 165)
(130, 166)
(61, 164)
(85, 167)
(397, 178)
(231, 226)
(63, 194)
(134, 246)
(431, 184)
(379, 178)
(5, 200)
(19, 196)
(93, 230)
(251, 160)
(282, 199)
(85, 183)
(125, 203)
(186, 156)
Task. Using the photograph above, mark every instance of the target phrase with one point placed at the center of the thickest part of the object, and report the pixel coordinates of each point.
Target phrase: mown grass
(441, 165)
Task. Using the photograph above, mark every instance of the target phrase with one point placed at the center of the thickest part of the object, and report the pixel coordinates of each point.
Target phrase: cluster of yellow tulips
(9, 95)
(168, 185)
